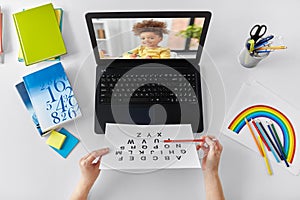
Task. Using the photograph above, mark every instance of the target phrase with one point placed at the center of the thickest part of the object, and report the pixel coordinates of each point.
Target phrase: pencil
(179, 141)
(265, 156)
(271, 141)
(263, 139)
(274, 130)
(268, 142)
(278, 146)
(254, 138)
(272, 47)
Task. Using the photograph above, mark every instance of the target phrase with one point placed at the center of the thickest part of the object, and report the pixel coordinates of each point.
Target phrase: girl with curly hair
(151, 34)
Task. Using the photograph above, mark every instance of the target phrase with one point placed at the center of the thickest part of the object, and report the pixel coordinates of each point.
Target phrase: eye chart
(143, 147)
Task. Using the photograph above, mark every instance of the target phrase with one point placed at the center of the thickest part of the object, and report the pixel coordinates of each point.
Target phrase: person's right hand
(212, 153)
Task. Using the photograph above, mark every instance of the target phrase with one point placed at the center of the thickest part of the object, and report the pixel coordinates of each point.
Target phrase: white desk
(29, 169)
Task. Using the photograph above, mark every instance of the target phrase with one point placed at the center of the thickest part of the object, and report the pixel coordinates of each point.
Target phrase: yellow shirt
(144, 52)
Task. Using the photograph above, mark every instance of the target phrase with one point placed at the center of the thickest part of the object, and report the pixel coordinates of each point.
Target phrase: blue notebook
(51, 96)
(26, 100)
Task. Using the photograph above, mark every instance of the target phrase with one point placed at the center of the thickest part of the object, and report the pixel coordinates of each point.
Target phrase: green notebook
(39, 34)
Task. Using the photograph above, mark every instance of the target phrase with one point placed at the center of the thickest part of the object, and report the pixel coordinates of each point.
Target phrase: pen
(1, 41)
(263, 51)
(262, 45)
(263, 41)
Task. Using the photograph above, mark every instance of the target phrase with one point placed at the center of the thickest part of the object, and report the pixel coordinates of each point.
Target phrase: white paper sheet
(142, 147)
(253, 94)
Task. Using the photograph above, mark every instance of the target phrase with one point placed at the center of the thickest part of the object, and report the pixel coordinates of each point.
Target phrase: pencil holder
(248, 60)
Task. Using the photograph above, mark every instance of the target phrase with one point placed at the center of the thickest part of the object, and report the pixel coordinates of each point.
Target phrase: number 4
(61, 104)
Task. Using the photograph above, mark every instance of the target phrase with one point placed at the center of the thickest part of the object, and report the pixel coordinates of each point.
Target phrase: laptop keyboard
(147, 88)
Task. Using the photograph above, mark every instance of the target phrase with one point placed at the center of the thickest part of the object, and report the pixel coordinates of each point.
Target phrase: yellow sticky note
(56, 139)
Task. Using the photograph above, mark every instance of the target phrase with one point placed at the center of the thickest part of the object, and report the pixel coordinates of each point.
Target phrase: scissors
(257, 32)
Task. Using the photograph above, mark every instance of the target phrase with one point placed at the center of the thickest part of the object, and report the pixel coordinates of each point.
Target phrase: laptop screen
(148, 35)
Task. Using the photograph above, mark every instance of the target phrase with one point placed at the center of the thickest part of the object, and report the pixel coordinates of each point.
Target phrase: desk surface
(31, 170)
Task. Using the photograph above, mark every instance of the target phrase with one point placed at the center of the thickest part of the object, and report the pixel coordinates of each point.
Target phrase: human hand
(89, 166)
(133, 55)
(212, 153)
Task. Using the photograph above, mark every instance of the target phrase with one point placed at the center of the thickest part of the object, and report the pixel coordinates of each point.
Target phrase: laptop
(148, 67)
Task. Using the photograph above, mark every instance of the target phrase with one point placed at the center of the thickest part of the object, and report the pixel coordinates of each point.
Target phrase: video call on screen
(115, 36)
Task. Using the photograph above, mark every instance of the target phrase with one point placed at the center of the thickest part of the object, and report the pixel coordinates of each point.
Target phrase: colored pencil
(278, 146)
(265, 156)
(254, 138)
(179, 141)
(263, 139)
(278, 139)
(271, 141)
(268, 142)
(272, 47)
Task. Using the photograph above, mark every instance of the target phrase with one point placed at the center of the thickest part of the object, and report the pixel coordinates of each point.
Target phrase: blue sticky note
(69, 144)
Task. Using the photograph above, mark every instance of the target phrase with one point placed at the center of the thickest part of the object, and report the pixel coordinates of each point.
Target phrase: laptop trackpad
(158, 114)
(152, 114)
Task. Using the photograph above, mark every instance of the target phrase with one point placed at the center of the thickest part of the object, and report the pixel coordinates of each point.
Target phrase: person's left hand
(89, 167)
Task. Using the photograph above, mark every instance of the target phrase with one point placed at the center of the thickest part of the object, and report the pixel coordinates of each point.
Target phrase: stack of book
(39, 33)
(49, 98)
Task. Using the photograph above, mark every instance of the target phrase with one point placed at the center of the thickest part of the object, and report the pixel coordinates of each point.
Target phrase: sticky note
(69, 144)
(56, 139)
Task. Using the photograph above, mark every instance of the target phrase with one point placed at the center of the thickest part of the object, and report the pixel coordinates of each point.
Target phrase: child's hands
(133, 55)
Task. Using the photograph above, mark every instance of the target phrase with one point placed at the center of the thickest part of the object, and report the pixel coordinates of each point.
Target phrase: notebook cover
(39, 34)
(59, 17)
(26, 100)
(51, 96)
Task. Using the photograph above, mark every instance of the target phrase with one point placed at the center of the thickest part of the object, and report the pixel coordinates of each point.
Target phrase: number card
(51, 96)
(143, 147)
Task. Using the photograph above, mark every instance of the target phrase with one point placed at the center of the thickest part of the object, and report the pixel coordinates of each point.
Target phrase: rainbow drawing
(252, 112)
